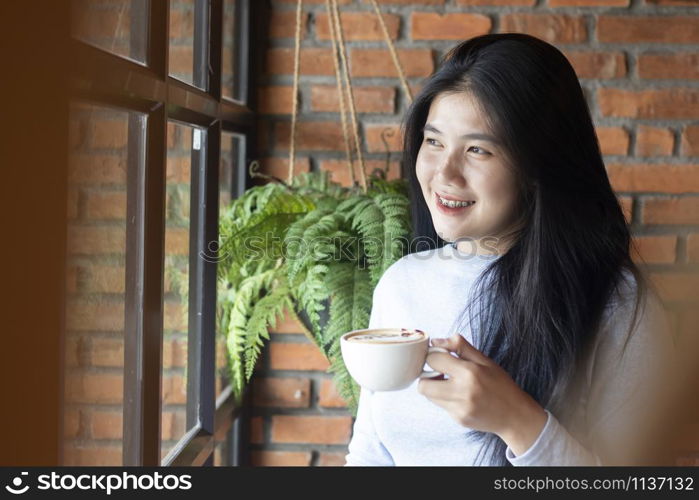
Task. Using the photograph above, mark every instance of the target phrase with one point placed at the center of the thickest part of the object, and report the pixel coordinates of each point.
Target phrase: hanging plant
(310, 245)
(313, 247)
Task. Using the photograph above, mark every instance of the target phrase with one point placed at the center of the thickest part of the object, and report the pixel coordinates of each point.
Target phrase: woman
(523, 250)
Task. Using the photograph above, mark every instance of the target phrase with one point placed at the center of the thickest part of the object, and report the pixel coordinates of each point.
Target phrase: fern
(319, 248)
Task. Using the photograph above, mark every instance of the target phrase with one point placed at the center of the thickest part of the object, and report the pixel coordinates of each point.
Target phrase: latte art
(389, 336)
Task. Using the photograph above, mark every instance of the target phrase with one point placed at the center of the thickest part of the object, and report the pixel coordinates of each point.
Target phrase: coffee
(387, 359)
(391, 336)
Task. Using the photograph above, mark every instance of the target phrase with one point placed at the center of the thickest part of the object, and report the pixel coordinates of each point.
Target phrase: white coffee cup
(390, 359)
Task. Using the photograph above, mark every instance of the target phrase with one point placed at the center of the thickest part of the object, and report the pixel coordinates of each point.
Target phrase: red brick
(359, 26)
(181, 60)
(340, 174)
(104, 279)
(693, 247)
(73, 349)
(106, 316)
(177, 241)
(257, 433)
(94, 388)
(175, 316)
(378, 62)
(279, 167)
(73, 199)
(262, 132)
(313, 61)
(402, 2)
(677, 3)
(658, 103)
(166, 423)
(71, 423)
(626, 203)
(389, 131)
(311, 429)
(331, 459)
(524, 3)
(648, 29)
(589, 3)
(282, 24)
(174, 389)
(293, 356)
(549, 27)
(598, 65)
(656, 249)
(99, 456)
(367, 99)
(288, 356)
(318, 136)
(105, 205)
(281, 458)
(674, 210)
(96, 240)
(282, 392)
(181, 23)
(97, 169)
(329, 397)
(613, 140)
(690, 141)
(71, 279)
(654, 141)
(677, 286)
(453, 26)
(107, 425)
(107, 352)
(339, 2)
(288, 324)
(654, 177)
(177, 350)
(273, 100)
(676, 66)
(109, 134)
(178, 170)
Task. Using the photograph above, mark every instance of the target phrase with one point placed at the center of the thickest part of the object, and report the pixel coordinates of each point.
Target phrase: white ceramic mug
(385, 365)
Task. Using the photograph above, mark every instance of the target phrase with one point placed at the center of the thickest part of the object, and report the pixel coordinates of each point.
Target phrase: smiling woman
(561, 344)
(465, 177)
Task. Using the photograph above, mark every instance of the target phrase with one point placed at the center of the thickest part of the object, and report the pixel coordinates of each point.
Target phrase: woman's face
(459, 160)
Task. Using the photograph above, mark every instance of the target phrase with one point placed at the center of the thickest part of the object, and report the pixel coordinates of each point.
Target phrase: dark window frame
(110, 80)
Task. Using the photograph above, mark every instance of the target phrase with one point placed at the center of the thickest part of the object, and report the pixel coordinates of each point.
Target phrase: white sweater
(428, 290)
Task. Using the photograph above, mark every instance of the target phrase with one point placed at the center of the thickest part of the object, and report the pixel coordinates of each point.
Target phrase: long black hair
(546, 294)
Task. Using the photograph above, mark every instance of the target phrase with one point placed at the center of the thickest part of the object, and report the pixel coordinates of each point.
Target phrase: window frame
(110, 80)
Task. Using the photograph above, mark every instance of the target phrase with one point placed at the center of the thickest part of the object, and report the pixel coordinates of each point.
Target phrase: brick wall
(637, 61)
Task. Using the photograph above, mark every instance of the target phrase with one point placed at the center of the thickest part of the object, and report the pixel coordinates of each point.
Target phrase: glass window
(189, 29)
(231, 185)
(117, 26)
(178, 391)
(101, 155)
(229, 82)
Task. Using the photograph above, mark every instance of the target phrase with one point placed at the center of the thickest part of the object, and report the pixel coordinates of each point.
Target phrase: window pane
(231, 185)
(222, 448)
(117, 26)
(189, 31)
(178, 391)
(229, 80)
(101, 153)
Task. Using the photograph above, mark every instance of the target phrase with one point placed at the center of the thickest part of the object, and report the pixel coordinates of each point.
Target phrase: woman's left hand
(480, 395)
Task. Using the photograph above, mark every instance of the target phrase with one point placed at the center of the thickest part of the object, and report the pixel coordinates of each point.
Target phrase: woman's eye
(432, 143)
(482, 151)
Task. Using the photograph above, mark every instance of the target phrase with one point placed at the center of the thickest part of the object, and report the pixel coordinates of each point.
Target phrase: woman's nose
(449, 171)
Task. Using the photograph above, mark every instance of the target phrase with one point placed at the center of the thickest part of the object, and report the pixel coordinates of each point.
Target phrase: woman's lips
(450, 210)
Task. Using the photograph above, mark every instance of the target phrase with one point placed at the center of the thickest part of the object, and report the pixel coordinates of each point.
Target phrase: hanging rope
(294, 105)
(337, 36)
(340, 93)
(394, 55)
(348, 81)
